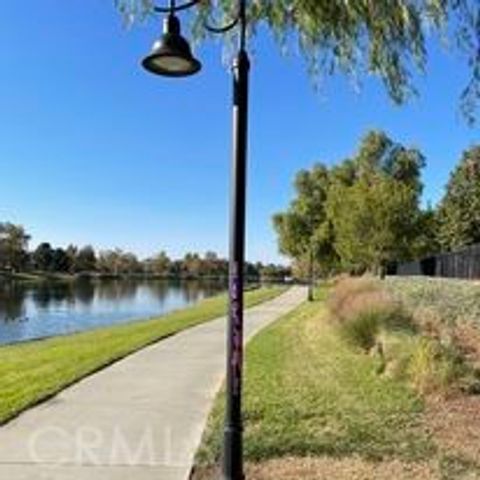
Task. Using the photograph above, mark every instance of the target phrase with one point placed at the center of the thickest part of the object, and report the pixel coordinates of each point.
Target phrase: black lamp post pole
(311, 274)
(172, 57)
(233, 445)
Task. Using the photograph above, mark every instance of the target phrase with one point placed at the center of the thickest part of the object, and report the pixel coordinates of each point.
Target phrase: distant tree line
(365, 212)
(15, 257)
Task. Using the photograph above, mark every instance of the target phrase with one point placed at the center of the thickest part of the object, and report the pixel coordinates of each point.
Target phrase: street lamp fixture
(172, 57)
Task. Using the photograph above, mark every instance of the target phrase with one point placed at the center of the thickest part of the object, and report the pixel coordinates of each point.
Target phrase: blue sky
(94, 150)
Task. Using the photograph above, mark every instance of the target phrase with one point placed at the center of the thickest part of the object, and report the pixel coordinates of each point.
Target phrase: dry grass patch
(455, 426)
(328, 468)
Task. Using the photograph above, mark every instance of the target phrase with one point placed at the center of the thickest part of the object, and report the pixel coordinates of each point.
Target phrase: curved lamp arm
(176, 8)
(223, 29)
(240, 17)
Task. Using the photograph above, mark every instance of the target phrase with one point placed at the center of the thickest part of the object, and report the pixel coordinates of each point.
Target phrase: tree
(110, 261)
(273, 272)
(13, 246)
(60, 261)
(379, 153)
(386, 38)
(361, 213)
(161, 264)
(459, 210)
(130, 264)
(304, 232)
(375, 222)
(211, 265)
(116, 262)
(373, 204)
(85, 260)
(71, 252)
(427, 241)
(42, 257)
(192, 265)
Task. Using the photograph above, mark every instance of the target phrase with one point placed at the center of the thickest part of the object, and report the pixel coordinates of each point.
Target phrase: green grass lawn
(309, 394)
(34, 371)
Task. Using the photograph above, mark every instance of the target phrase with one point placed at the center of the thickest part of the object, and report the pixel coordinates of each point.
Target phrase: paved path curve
(141, 418)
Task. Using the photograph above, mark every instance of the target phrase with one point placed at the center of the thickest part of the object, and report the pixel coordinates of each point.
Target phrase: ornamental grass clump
(362, 309)
(433, 367)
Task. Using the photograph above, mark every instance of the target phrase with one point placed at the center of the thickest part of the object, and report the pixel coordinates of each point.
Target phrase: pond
(36, 310)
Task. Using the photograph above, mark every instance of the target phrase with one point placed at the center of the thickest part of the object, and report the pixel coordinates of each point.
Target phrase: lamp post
(171, 56)
(311, 273)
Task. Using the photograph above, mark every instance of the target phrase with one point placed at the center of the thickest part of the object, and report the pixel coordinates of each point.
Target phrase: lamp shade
(171, 55)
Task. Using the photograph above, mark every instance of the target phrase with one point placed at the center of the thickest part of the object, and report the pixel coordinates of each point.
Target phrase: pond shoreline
(32, 310)
(40, 276)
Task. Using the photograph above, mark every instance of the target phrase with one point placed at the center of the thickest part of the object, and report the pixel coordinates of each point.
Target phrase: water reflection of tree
(84, 290)
(12, 301)
(112, 289)
(46, 293)
(195, 290)
(160, 289)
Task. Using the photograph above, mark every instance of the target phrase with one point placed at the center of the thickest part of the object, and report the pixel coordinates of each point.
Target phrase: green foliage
(42, 257)
(304, 232)
(459, 212)
(386, 38)
(379, 154)
(13, 246)
(33, 371)
(373, 203)
(426, 242)
(374, 220)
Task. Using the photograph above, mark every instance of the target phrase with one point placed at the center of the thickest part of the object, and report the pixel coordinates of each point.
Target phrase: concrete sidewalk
(141, 418)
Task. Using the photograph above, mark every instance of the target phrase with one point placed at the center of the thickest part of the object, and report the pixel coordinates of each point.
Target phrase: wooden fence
(464, 263)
